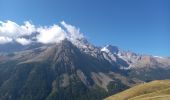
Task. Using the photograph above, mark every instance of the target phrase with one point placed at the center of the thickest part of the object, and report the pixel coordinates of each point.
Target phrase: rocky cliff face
(75, 71)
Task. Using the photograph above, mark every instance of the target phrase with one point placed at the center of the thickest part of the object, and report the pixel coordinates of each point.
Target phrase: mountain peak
(65, 42)
(110, 48)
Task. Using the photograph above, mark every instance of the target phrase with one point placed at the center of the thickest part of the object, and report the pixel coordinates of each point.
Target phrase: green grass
(155, 90)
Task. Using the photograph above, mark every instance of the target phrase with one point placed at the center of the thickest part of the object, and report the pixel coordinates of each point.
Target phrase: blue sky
(142, 26)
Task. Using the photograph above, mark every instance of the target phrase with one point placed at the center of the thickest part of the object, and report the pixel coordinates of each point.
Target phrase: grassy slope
(156, 90)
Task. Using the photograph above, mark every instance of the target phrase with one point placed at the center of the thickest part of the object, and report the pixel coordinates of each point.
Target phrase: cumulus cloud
(10, 31)
(23, 41)
(73, 32)
(13, 30)
(4, 40)
(53, 34)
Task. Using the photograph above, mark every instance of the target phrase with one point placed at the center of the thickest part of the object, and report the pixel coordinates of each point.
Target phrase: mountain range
(73, 70)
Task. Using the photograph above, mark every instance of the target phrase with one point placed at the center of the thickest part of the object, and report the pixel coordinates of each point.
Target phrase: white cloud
(4, 40)
(73, 32)
(13, 30)
(10, 31)
(53, 34)
(27, 28)
(23, 41)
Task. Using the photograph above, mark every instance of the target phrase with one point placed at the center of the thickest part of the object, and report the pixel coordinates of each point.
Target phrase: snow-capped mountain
(66, 66)
(132, 59)
(125, 59)
(53, 63)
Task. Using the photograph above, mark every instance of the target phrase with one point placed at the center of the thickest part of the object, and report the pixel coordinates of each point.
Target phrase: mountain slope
(156, 90)
(74, 71)
(60, 71)
(143, 67)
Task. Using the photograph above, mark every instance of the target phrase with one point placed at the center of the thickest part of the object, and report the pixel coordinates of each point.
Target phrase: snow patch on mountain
(105, 49)
(159, 57)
